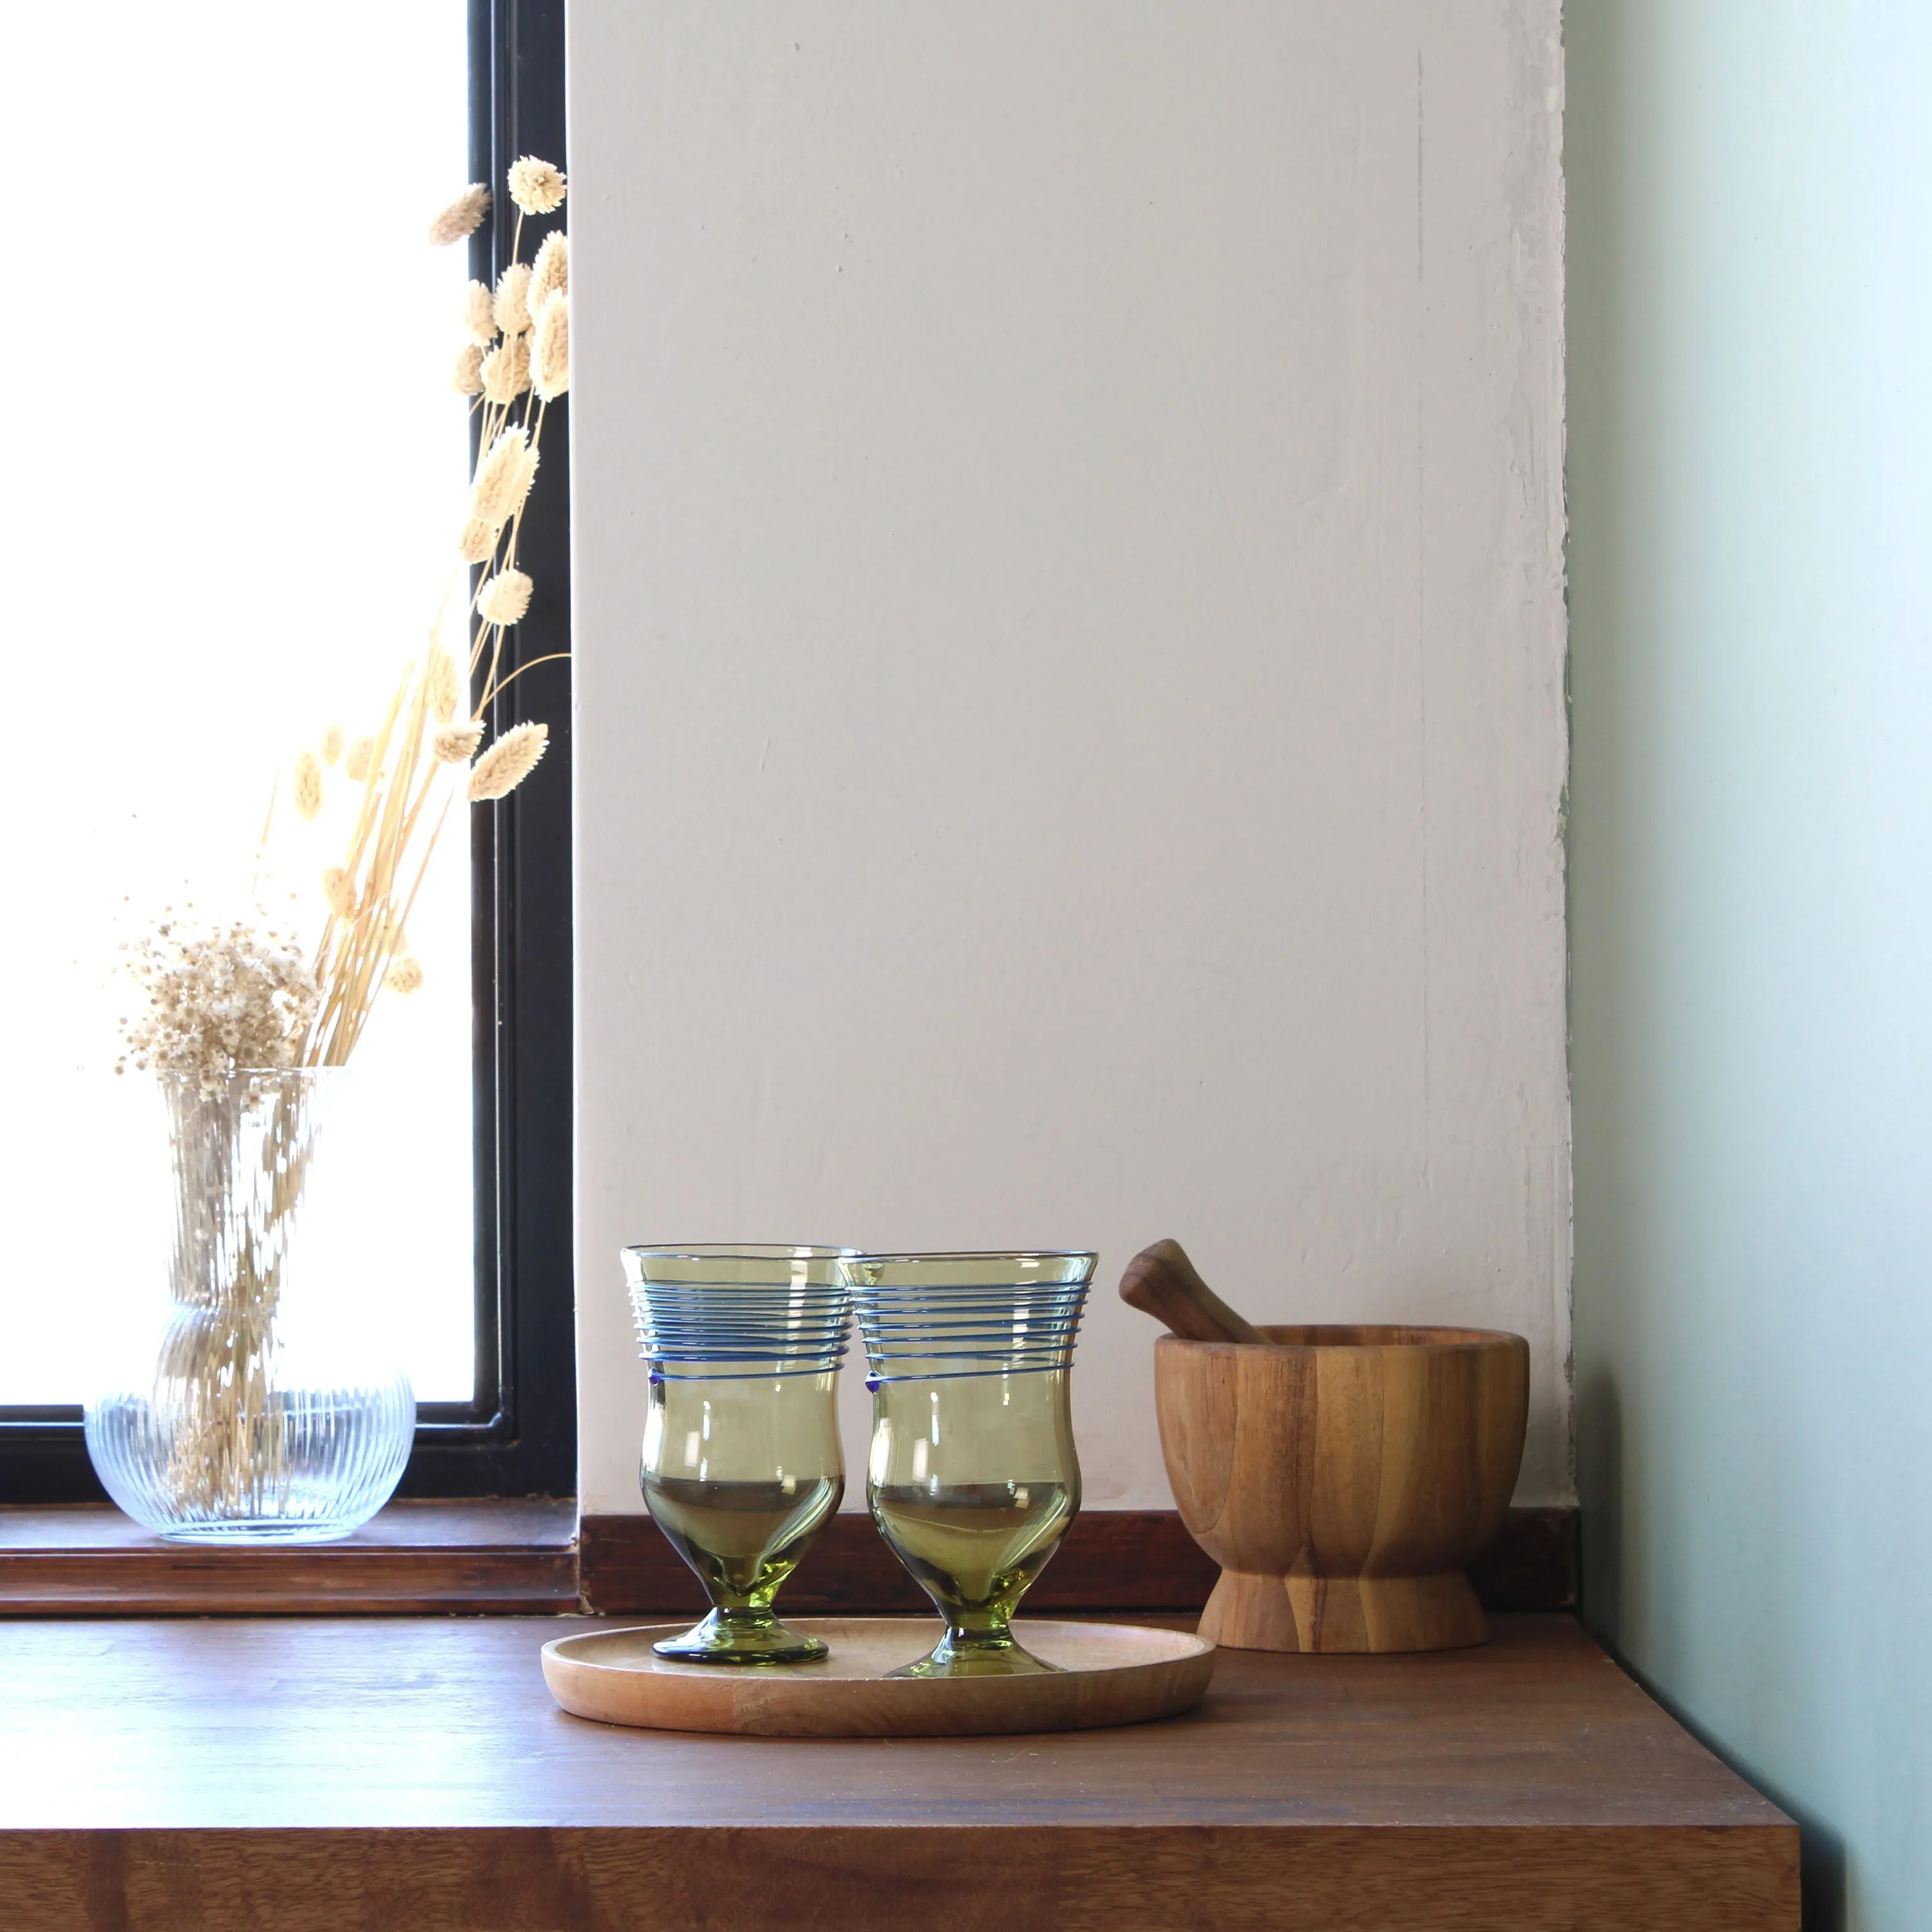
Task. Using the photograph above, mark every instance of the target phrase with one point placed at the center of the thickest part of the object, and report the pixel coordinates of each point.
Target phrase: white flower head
(550, 271)
(455, 744)
(550, 359)
(508, 762)
(308, 785)
(504, 473)
(505, 597)
(536, 187)
(478, 314)
(461, 217)
(511, 307)
(506, 371)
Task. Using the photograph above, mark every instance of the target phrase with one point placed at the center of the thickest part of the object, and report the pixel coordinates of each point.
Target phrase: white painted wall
(1070, 640)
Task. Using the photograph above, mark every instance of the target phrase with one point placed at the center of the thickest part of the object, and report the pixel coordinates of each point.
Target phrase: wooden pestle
(1160, 1281)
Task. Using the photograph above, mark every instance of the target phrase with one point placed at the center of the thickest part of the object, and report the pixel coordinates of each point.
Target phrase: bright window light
(235, 465)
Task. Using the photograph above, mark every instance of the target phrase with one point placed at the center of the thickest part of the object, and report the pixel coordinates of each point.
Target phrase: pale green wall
(1750, 477)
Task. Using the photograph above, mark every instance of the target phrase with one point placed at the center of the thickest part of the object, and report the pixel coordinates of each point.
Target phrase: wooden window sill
(522, 1557)
(372, 1775)
(508, 1555)
(1111, 1560)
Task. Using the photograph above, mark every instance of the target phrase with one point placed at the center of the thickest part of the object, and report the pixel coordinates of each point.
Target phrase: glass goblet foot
(986, 1651)
(740, 1637)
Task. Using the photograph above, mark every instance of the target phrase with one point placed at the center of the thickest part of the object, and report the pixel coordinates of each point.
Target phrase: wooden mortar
(1343, 1478)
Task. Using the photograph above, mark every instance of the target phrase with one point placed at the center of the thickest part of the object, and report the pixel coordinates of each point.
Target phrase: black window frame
(518, 1436)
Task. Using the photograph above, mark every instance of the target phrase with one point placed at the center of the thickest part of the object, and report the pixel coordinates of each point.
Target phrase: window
(233, 505)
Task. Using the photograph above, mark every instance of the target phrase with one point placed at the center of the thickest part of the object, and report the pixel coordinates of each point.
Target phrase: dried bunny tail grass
(477, 542)
(456, 744)
(550, 358)
(505, 372)
(404, 976)
(308, 785)
(550, 274)
(443, 682)
(505, 599)
(339, 889)
(443, 686)
(468, 379)
(361, 755)
(527, 475)
(501, 483)
(508, 762)
(512, 306)
(536, 187)
(331, 744)
(478, 314)
(461, 217)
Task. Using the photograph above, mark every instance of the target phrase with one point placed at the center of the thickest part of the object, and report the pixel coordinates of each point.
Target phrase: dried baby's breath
(361, 754)
(331, 744)
(468, 380)
(512, 306)
(479, 318)
(456, 744)
(339, 890)
(461, 217)
(508, 762)
(536, 187)
(505, 599)
(404, 976)
(550, 271)
(505, 372)
(234, 999)
(308, 787)
(550, 357)
(476, 540)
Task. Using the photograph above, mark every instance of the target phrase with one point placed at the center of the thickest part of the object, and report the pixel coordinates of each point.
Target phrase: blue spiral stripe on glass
(738, 1314)
(961, 1315)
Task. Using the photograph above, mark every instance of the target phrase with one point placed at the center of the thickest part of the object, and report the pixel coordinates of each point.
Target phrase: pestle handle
(1160, 1281)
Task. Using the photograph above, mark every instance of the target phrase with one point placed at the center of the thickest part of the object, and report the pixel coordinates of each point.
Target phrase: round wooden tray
(1109, 1674)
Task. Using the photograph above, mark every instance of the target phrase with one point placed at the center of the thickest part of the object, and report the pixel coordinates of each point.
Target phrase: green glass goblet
(973, 1477)
(741, 1459)
(739, 1475)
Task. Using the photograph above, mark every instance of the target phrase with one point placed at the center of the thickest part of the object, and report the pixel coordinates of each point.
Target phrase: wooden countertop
(414, 1773)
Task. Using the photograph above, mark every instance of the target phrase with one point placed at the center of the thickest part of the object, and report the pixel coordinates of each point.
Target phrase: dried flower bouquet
(231, 1014)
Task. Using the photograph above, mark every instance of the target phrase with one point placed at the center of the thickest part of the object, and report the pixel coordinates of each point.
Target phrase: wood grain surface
(1344, 1478)
(362, 1775)
(508, 1556)
(1162, 1282)
(1101, 1674)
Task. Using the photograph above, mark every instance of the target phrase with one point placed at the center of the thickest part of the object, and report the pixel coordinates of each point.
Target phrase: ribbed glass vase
(269, 1404)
